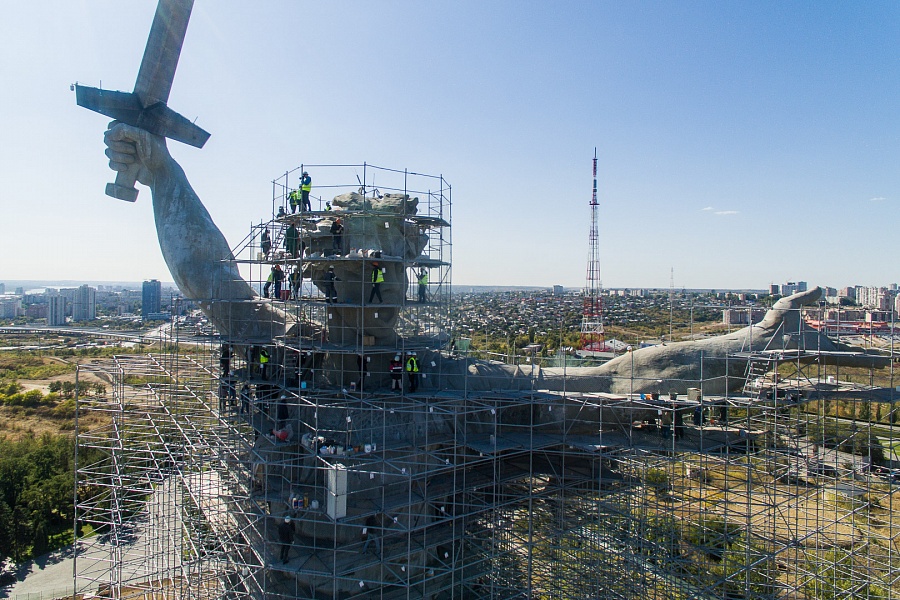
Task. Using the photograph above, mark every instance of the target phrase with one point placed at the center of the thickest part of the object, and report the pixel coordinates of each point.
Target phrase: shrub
(657, 479)
(10, 388)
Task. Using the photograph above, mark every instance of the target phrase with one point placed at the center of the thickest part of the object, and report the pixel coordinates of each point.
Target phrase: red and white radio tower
(592, 339)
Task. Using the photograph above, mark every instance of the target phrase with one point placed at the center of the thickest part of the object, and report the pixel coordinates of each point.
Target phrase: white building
(84, 307)
(792, 287)
(878, 298)
(56, 313)
(10, 307)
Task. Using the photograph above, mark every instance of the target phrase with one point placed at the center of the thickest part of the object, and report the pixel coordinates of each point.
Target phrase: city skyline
(739, 145)
(18, 287)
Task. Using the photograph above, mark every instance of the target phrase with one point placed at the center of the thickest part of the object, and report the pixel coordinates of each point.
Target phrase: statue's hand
(127, 146)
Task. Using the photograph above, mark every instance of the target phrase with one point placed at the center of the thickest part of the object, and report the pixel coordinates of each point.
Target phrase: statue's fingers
(126, 158)
(121, 132)
(117, 166)
(124, 147)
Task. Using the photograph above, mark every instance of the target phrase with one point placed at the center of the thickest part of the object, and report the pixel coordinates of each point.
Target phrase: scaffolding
(218, 474)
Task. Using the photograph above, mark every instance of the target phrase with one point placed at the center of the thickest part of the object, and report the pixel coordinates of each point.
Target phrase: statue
(201, 263)
(198, 258)
(196, 252)
(678, 364)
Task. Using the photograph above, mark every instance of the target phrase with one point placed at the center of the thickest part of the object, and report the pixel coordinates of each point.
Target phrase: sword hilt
(123, 188)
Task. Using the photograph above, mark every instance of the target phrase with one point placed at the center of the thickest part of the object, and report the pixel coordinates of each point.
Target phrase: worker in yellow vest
(294, 198)
(305, 189)
(263, 361)
(423, 284)
(412, 372)
(377, 280)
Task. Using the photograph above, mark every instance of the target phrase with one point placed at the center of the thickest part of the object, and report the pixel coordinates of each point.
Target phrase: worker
(232, 390)
(263, 361)
(369, 534)
(666, 424)
(278, 277)
(678, 423)
(292, 241)
(266, 243)
(269, 281)
(412, 372)
(423, 284)
(294, 198)
(296, 281)
(225, 359)
(362, 363)
(305, 189)
(337, 236)
(330, 291)
(223, 394)
(328, 207)
(246, 400)
(396, 368)
(286, 537)
(377, 280)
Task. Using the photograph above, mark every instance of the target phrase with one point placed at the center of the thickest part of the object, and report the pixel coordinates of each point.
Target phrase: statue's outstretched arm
(196, 252)
(786, 310)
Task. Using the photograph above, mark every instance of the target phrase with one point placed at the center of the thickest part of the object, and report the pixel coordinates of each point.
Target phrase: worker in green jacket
(292, 241)
(294, 198)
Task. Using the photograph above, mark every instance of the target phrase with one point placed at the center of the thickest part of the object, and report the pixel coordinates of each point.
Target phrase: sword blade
(154, 80)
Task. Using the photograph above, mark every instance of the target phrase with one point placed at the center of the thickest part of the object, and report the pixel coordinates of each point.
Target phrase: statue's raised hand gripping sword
(197, 254)
(146, 107)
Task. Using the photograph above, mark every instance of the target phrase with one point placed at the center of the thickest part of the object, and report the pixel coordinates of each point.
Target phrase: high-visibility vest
(423, 279)
(263, 357)
(306, 183)
(412, 365)
(377, 275)
(295, 196)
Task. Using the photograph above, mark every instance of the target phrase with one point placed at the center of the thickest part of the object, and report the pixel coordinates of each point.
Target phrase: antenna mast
(671, 299)
(592, 339)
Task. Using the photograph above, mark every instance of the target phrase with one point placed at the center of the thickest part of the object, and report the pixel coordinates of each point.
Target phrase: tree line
(36, 495)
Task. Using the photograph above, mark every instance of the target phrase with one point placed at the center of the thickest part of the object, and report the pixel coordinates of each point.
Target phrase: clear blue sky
(740, 143)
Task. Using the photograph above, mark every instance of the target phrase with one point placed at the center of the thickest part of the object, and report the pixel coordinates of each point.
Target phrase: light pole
(631, 398)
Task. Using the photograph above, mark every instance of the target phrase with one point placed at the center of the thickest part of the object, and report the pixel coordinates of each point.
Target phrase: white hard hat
(397, 357)
(287, 519)
(412, 353)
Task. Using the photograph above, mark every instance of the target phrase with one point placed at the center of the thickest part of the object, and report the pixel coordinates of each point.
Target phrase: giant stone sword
(146, 106)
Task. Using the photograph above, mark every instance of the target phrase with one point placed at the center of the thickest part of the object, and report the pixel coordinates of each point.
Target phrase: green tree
(36, 483)
(657, 480)
(7, 530)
